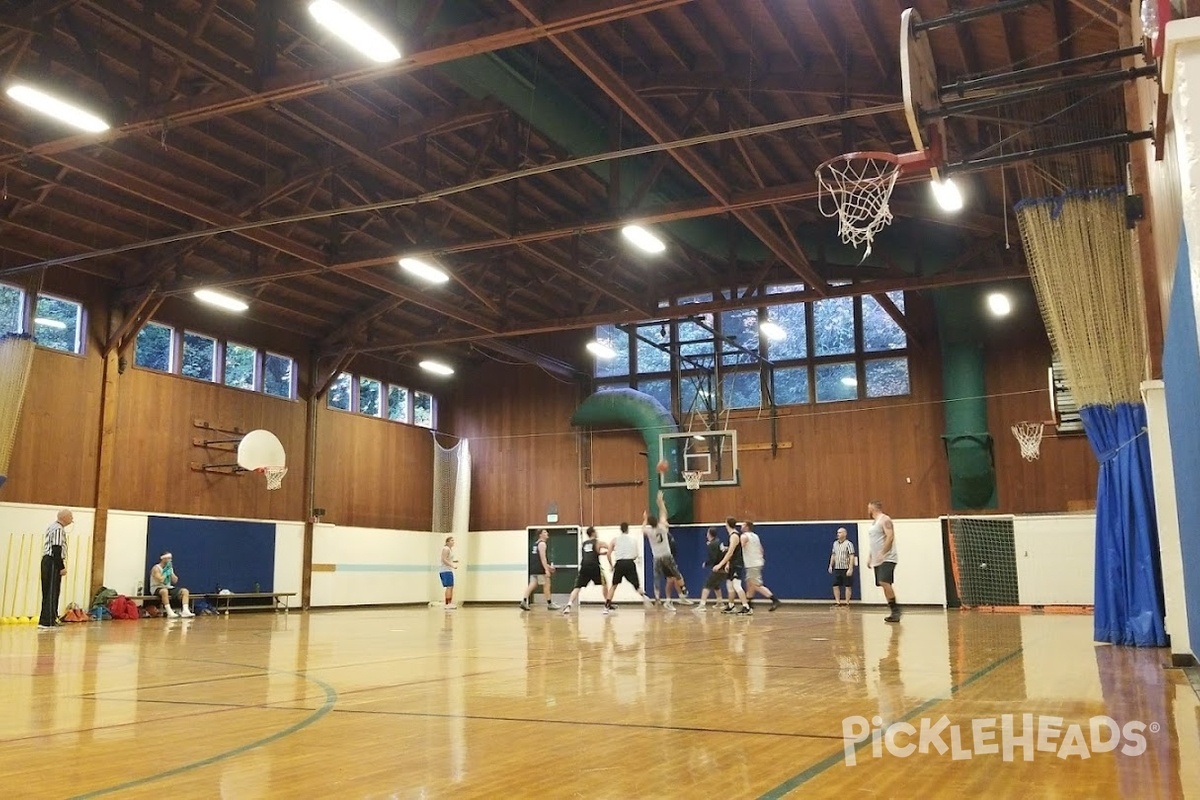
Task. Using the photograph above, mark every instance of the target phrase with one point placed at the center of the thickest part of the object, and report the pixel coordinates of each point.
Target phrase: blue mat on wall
(797, 558)
(212, 553)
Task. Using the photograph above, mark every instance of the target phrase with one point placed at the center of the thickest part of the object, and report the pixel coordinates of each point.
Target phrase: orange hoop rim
(905, 162)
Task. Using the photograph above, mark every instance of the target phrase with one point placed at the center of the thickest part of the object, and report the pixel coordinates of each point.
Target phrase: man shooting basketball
(656, 529)
(540, 571)
(882, 538)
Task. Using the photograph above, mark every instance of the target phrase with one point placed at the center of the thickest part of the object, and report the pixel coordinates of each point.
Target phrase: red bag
(121, 607)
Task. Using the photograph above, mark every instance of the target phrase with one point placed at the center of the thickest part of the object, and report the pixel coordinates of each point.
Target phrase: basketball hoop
(1029, 436)
(274, 476)
(691, 479)
(855, 188)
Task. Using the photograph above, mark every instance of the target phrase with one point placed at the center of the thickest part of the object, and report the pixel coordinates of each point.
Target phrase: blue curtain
(1129, 599)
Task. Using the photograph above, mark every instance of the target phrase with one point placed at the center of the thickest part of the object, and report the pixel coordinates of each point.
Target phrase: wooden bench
(224, 602)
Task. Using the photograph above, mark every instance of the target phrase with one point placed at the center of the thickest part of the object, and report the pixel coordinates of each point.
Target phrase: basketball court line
(114, 726)
(585, 723)
(801, 778)
(331, 697)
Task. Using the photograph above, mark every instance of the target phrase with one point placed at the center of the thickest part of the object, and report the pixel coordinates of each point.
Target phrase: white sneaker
(186, 612)
(669, 606)
(686, 601)
(169, 612)
(567, 609)
(450, 606)
(552, 606)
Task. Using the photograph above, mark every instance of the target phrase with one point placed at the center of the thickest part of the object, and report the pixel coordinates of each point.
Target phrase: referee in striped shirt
(841, 567)
(54, 568)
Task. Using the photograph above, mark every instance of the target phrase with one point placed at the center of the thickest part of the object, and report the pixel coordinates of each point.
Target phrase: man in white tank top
(755, 558)
(625, 550)
(882, 539)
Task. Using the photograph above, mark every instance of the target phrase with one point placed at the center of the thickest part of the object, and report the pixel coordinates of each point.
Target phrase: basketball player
(733, 563)
(756, 559)
(589, 568)
(882, 538)
(656, 529)
(163, 582)
(446, 567)
(715, 553)
(540, 571)
(841, 567)
(625, 550)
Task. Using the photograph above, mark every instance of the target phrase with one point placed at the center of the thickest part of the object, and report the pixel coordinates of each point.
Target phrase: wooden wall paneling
(1064, 476)
(373, 473)
(55, 454)
(154, 439)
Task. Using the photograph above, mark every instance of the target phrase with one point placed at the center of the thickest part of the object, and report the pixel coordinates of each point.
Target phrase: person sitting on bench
(163, 582)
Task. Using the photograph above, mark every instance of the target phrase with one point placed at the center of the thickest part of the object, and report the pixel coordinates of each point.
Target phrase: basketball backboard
(259, 449)
(713, 454)
(918, 74)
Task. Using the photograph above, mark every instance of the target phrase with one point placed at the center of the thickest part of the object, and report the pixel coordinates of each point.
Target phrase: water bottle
(256, 588)
(138, 591)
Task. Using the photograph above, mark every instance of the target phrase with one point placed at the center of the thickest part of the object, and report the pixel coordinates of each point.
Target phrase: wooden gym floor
(489, 702)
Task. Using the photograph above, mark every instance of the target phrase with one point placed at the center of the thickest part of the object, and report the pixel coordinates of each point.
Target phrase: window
(836, 382)
(791, 317)
(277, 376)
(649, 357)
(199, 356)
(887, 377)
(397, 410)
(618, 340)
(370, 397)
(739, 327)
(791, 386)
(56, 324)
(880, 331)
(339, 392)
(694, 396)
(241, 363)
(659, 389)
(12, 305)
(833, 327)
(155, 347)
(741, 390)
(423, 409)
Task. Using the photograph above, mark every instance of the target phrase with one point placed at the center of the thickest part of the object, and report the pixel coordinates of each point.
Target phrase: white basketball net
(856, 188)
(274, 477)
(691, 479)
(1029, 436)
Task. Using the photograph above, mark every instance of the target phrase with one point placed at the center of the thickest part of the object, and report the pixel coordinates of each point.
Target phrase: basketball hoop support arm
(969, 14)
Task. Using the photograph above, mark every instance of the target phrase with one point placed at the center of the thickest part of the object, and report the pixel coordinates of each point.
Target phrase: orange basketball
(663, 467)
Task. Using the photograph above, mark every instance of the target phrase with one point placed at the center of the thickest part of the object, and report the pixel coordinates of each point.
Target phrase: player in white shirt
(625, 550)
(657, 531)
(882, 538)
(755, 559)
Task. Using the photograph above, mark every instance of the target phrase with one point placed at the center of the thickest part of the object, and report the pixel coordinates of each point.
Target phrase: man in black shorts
(715, 552)
(734, 563)
(540, 571)
(841, 567)
(625, 550)
(589, 568)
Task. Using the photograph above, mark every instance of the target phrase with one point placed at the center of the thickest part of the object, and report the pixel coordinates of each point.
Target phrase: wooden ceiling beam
(294, 84)
(602, 74)
(915, 283)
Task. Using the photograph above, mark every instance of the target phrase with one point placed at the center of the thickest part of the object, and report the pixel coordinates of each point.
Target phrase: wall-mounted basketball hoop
(257, 451)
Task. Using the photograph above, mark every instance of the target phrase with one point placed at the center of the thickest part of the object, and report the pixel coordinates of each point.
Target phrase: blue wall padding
(1181, 377)
(209, 553)
(797, 557)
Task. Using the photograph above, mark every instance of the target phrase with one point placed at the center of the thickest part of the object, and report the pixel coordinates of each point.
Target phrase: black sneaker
(892, 617)
(774, 604)
(745, 611)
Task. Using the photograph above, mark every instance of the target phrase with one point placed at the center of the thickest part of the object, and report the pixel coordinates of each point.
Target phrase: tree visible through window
(423, 409)
(277, 375)
(618, 340)
(880, 331)
(154, 347)
(240, 364)
(199, 356)
(12, 303)
(339, 392)
(370, 393)
(398, 403)
(56, 323)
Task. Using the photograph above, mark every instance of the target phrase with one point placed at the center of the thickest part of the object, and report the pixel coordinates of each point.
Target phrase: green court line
(330, 700)
(798, 780)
